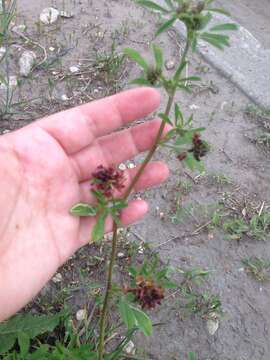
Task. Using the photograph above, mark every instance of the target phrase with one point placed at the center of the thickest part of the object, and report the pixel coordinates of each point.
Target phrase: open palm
(45, 169)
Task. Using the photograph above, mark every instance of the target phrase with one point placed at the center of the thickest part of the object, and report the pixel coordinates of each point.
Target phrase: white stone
(161, 215)
(64, 97)
(2, 51)
(51, 48)
(26, 62)
(66, 14)
(122, 166)
(81, 314)
(74, 69)
(130, 348)
(49, 15)
(212, 326)
(140, 249)
(11, 82)
(194, 107)
(131, 165)
(57, 278)
(170, 64)
(19, 28)
(120, 255)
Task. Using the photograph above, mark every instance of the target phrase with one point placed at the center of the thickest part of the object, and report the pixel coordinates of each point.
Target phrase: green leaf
(120, 204)
(144, 323)
(6, 343)
(116, 218)
(141, 81)
(136, 56)
(24, 342)
(99, 228)
(31, 325)
(83, 209)
(126, 313)
(193, 164)
(223, 39)
(178, 115)
(179, 70)
(152, 5)
(42, 353)
(170, 4)
(224, 27)
(191, 78)
(165, 118)
(165, 26)
(216, 40)
(192, 356)
(99, 196)
(220, 11)
(158, 56)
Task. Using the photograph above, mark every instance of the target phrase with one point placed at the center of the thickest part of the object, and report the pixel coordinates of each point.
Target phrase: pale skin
(45, 169)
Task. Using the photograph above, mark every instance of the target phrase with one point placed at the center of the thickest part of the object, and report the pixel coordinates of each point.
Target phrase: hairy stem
(126, 195)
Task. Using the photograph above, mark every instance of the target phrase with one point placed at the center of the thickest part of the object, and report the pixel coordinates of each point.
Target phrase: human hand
(45, 169)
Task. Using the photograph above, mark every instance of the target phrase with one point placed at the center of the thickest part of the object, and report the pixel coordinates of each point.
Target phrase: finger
(133, 213)
(154, 174)
(115, 148)
(76, 128)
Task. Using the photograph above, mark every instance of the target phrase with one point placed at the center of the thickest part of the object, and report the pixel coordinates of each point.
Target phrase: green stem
(102, 326)
(126, 195)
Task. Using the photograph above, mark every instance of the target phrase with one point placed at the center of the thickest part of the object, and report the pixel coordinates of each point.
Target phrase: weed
(205, 305)
(7, 14)
(109, 65)
(220, 179)
(262, 117)
(185, 186)
(258, 267)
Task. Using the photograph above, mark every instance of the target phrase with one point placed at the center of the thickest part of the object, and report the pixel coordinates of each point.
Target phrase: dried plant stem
(125, 197)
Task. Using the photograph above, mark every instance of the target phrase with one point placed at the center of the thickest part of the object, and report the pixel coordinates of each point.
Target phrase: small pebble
(49, 15)
(194, 107)
(2, 51)
(57, 278)
(64, 97)
(161, 215)
(131, 165)
(122, 166)
(66, 14)
(212, 326)
(74, 69)
(12, 82)
(26, 62)
(140, 250)
(130, 348)
(81, 314)
(170, 64)
(19, 28)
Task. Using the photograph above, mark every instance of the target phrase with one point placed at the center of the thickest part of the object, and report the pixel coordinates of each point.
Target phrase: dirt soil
(236, 168)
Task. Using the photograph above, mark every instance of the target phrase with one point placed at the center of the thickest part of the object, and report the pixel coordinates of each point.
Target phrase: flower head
(200, 147)
(106, 180)
(147, 293)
